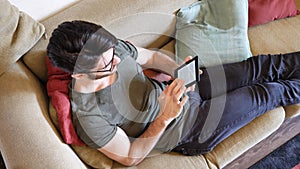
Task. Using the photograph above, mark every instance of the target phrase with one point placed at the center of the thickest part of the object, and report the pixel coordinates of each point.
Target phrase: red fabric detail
(57, 88)
(263, 11)
(157, 75)
(297, 166)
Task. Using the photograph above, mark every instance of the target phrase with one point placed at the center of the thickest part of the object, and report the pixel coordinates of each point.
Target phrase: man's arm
(121, 150)
(156, 60)
(160, 61)
(129, 154)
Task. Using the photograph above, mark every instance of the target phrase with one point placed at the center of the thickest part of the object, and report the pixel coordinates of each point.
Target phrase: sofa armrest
(28, 138)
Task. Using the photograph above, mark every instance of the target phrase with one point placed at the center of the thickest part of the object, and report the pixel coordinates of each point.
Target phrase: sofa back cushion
(264, 11)
(216, 31)
(18, 32)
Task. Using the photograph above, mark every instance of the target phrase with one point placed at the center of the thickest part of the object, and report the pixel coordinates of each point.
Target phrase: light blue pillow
(215, 30)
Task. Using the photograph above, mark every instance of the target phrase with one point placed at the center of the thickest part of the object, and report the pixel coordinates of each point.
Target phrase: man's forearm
(156, 60)
(143, 145)
(164, 63)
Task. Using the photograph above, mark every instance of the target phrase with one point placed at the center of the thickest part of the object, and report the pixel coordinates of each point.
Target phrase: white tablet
(189, 72)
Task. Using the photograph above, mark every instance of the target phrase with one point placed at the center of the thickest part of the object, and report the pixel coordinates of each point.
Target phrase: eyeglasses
(106, 65)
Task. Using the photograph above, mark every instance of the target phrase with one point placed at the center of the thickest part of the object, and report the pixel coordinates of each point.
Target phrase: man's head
(77, 46)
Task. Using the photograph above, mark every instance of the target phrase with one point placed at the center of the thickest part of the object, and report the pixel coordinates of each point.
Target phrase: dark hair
(76, 46)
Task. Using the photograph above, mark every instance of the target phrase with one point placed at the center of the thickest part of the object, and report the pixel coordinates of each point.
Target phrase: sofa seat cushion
(280, 36)
(169, 161)
(245, 138)
(292, 110)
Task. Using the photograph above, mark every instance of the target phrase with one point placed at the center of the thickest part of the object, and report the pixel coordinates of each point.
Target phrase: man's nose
(116, 60)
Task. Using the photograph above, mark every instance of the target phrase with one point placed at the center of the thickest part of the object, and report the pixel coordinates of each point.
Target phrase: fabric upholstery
(280, 36)
(215, 33)
(19, 32)
(170, 161)
(297, 4)
(292, 110)
(264, 11)
(28, 137)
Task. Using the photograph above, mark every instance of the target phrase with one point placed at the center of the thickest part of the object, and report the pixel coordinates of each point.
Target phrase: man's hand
(170, 101)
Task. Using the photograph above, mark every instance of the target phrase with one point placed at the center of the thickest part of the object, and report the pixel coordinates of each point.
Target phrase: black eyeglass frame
(109, 63)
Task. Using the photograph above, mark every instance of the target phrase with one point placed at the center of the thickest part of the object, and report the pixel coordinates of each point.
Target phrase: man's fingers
(191, 88)
(188, 58)
(176, 89)
(200, 71)
(181, 89)
(184, 100)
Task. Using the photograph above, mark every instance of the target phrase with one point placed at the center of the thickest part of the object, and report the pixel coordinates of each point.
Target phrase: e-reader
(189, 72)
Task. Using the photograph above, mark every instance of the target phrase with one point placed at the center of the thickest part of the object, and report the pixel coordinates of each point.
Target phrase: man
(126, 115)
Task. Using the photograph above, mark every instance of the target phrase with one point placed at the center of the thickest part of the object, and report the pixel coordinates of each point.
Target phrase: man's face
(107, 65)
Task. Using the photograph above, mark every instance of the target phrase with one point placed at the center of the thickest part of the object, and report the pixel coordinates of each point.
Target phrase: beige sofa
(30, 138)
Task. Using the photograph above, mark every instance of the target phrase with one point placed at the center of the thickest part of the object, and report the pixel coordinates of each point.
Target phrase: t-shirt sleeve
(126, 49)
(95, 131)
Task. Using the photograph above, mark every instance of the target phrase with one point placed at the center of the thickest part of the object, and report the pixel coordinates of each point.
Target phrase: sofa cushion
(169, 161)
(280, 36)
(264, 11)
(19, 32)
(292, 110)
(245, 138)
(28, 138)
(214, 30)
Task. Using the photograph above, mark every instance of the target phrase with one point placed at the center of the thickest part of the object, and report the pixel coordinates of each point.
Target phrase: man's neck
(89, 85)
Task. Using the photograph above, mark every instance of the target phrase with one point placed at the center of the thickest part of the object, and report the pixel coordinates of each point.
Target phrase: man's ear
(79, 76)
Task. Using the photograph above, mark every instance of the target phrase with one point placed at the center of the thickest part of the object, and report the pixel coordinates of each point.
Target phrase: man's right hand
(170, 101)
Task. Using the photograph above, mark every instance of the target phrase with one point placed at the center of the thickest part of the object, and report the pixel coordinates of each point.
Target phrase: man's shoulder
(126, 49)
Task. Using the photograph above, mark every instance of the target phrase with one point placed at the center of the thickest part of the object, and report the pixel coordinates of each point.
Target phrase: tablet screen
(189, 72)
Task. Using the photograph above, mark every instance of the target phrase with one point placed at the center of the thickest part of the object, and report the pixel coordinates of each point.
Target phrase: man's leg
(221, 79)
(242, 106)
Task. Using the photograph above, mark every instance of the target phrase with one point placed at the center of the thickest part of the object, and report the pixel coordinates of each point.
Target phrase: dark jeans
(232, 95)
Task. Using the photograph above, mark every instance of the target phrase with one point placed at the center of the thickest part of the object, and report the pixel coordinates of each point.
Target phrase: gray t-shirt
(130, 103)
